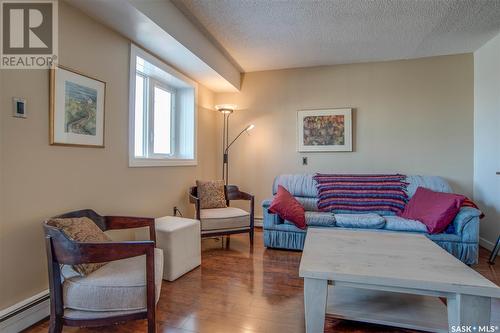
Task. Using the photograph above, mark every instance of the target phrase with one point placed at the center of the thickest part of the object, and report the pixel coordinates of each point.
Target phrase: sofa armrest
(270, 219)
(466, 224)
(266, 203)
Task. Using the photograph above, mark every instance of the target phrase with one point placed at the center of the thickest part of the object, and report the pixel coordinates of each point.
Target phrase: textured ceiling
(273, 34)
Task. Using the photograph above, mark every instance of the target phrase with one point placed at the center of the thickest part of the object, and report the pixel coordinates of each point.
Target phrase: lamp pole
(227, 110)
(226, 151)
(225, 147)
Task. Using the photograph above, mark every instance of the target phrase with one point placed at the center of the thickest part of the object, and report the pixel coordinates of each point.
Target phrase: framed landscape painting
(324, 130)
(76, 109)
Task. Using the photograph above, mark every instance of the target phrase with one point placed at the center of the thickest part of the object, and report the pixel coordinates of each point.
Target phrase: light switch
(19, 110)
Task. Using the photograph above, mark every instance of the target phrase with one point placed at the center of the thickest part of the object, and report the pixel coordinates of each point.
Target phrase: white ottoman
(179, 238)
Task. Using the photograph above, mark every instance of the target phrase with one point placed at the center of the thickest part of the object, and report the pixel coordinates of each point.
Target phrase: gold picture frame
(324, 130)
(77, 104)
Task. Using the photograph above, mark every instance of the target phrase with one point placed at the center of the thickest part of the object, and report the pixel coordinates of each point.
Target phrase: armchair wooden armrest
(194, 199)
(127, 222)
(84, 253)
(69, 252)
(114, 222)
(234, 193)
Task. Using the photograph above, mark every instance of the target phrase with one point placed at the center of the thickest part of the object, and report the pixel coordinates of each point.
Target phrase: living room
(415, 85)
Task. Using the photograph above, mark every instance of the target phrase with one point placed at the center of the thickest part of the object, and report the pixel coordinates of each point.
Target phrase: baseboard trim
(258, 222)
(486, 244)
(25, 313)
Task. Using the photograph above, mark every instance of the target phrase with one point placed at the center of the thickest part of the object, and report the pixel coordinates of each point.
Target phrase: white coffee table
(392, 279)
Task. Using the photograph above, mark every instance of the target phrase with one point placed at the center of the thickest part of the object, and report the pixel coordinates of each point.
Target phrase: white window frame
(156, 160)
(150, 139)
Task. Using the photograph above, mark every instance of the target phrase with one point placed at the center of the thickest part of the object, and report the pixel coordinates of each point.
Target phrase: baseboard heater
(258, 221)
(26, 313)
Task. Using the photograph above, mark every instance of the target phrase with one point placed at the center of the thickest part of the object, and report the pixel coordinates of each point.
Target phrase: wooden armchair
(62, 251)
(225, 221)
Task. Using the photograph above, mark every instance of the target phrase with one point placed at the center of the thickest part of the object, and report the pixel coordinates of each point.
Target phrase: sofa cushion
(288, 208)
(86, 315)
(320, 219)
(81, 229)
(309, 204)
(224, 218)
(317, 219)
(434, 183)
(365, 221)
(299, 185)
(434, 209)
(118, 286)
(397, 223)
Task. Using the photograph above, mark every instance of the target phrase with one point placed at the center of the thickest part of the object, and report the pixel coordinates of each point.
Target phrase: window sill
(151, 162)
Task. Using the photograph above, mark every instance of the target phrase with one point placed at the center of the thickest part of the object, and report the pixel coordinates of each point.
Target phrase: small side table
(494, 253)
(180, 240)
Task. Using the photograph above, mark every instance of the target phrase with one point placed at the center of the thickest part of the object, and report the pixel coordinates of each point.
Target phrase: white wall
(487, 138)
(410, 116)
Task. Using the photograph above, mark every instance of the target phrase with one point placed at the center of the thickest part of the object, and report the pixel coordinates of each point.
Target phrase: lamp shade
(226, 108)
(250, 127)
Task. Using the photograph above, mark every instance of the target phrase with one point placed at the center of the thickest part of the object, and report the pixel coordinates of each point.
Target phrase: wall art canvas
(324, 130)
(76, 109)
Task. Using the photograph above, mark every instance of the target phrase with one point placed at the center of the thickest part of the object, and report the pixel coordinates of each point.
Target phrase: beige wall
(413, 117)
(41, 180)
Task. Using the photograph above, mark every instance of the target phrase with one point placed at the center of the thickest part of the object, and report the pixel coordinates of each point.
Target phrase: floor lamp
(494, 253)
(227, 110)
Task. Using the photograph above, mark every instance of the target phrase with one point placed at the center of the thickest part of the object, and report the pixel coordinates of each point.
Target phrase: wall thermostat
(19, 107)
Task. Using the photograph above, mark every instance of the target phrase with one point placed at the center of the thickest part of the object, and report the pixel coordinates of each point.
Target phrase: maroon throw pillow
(434, 209)
(288, 208)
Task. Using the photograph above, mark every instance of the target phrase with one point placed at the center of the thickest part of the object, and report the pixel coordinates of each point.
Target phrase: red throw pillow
(434, 209)
(288, 208)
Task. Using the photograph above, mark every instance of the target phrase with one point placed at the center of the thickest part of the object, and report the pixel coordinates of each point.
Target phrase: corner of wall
(486, 148)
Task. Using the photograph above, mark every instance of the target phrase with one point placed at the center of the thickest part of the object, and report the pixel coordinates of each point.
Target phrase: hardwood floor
(240, 290)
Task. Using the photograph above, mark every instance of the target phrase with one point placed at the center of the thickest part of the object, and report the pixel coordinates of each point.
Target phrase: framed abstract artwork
(324, 130)
(76, 109)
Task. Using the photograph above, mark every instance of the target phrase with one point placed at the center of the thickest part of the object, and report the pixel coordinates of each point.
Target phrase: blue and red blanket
(381, 194)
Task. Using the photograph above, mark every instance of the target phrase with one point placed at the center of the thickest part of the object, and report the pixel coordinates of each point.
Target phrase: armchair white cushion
(118, 286)
(219, 219)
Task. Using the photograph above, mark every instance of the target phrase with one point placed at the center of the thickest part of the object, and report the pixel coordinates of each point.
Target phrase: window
(162, 113)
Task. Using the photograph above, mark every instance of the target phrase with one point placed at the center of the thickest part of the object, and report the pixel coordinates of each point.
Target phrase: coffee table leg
(315, 294)
(468, 310)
